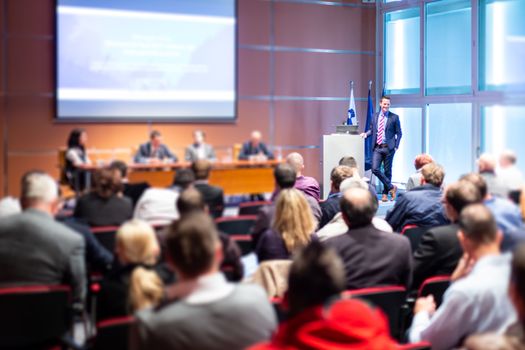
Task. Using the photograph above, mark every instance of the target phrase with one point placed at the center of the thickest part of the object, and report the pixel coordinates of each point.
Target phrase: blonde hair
(293, 219)
(136, 241)
(145, 289)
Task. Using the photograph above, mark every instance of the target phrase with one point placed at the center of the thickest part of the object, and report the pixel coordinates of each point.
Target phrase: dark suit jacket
(213, 196)
(438, 253)
(393, 131)
(373, 258)
(134, 191)
(248, 150)
(97, 211)
(329, 208)
(144, 153)
(35, 249)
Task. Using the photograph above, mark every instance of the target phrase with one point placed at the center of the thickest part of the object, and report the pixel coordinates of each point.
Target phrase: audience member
(137, 281)
(104, 205)
(330, 207)
(204, 311)
(477, 301)
(508, 172)
(514, 337)
(191, 201)
(213, 195)
(285, 177)
(292, 227)
(506, 214)
(131, 190)
(199, 149)
(255, 147)
(307, 184)
(371, 257)
(422, 205)
(154, 151)
(76, 156)
(350, 161)
(157, 205)
(487, 169)
(337, 226)
(34, 248)
(421, 160)
(439, 250)
(318, 319)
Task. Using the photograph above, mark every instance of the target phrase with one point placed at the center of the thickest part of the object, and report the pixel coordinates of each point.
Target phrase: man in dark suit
(255, 147)
(439, 250)
(371, 257)
(385, 130)
(154, 151)
(34, 248)
(213, 195)
(331, 206)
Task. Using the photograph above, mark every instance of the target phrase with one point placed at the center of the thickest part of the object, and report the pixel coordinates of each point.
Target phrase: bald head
(296, 161)
(486, 163)
(255, 137)
(507, 158)
(358, 207)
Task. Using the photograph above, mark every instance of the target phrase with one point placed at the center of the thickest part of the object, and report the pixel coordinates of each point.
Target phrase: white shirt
(157, 206)
(476, 303)
(511, 177)
(337, 226)
(210, 288)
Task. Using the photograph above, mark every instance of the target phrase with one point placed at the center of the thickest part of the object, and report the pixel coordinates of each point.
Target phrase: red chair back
(252, 208)
(236, 225)
(34, 316)
(389, 299)
(436, 286)
(113, 333)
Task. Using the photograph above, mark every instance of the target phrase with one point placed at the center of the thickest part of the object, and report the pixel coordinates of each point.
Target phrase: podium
(337, 146)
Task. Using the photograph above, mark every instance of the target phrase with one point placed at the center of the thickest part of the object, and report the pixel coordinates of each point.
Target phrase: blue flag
(351, 119)
(368, 140)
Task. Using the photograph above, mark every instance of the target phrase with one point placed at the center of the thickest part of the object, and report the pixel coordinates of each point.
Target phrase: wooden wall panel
(254, 22)
(254, 72)
(30, 63)
(325, 27)
(30, 17)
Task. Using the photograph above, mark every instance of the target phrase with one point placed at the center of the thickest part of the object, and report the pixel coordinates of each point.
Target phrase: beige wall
(27, 82)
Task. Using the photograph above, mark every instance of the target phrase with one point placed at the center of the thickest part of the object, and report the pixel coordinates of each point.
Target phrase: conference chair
(244, 242)
(389, 299)
(236, 225)
(414, 234)
(113, 333)
(252, 208)
(35, 316)
(106, 236)
(436, 286)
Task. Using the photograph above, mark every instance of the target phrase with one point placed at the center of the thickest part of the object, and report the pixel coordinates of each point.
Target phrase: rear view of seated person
(422, 205)
(130, 190)
(104, 205)
(292, 227)
(318, 319)
(330, 206)
(213, 195)
(137, 251)
(255, 148)
(415, 179)
(203, 311)
(154, 151)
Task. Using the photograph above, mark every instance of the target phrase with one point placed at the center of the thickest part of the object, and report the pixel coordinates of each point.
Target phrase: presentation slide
(146, 59)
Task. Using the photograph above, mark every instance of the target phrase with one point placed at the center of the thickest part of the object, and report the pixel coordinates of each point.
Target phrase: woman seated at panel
(76, 156)
(104, 205)
(292, 227)
(138, 280)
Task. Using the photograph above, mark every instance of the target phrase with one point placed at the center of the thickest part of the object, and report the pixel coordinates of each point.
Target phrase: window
(448, 48)
(502, 45)
(402, 58)
(449, 137)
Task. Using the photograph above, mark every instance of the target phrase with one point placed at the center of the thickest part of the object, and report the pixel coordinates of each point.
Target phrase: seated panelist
(154, 151)
(255, 148)
(199, 149)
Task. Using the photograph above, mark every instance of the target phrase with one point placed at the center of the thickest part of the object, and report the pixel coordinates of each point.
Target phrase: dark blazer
(248, 150)
(213, 196)
(270, 246)
(329, 208)
(35, 249)
(144, 153)
(373, 258)
(134, 191)
(393, 131)
(97, 211)
(438, 253)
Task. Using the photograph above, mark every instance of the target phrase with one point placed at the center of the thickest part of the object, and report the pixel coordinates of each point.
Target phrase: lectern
(337, 146)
